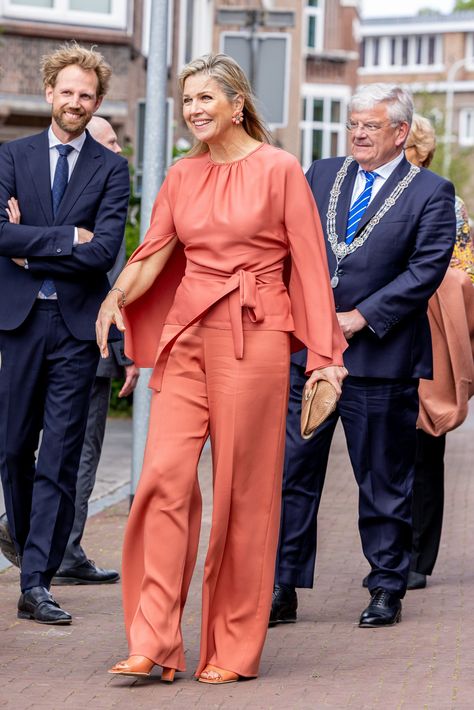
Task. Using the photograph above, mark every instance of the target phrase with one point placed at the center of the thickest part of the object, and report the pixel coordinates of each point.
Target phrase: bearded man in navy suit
(390, 229)
(73, 194)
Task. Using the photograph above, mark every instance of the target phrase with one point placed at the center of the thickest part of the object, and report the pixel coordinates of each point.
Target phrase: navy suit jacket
(392, 276)
(96, 198)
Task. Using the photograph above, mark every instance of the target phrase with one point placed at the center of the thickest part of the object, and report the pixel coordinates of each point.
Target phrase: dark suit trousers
(428, 501)
(90, 457)
(45, 380)
(379, 418)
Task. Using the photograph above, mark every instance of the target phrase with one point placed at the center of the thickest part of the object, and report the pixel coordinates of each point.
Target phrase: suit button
(58, 251)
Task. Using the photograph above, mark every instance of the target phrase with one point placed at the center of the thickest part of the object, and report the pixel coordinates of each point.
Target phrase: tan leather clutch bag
(316, 407)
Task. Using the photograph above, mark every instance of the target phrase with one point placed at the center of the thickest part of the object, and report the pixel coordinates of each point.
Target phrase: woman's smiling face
(207, 110)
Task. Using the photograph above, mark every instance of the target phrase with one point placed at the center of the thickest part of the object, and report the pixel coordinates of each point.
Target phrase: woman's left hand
(333, 374)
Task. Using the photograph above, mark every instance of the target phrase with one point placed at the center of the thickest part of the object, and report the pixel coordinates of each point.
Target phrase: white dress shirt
(77, 144)
(383, 173)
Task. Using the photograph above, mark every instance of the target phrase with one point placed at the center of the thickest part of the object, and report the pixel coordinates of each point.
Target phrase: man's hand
(132, 373)
(13, 211)
(83, 235)
(333, 374)
(14, 217)
(351, 322)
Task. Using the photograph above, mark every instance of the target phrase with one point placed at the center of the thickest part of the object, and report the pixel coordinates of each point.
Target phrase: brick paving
(323, 661)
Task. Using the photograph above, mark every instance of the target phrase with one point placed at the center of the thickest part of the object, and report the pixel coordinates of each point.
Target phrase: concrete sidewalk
(323, 661)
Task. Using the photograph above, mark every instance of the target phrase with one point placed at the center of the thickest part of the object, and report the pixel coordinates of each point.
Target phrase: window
(94, 13)
(265, 58)
(195, 29)
(405, 51)
(402, 53)
(466, 127)
(323, 133)
(313, 18)
(376, 52)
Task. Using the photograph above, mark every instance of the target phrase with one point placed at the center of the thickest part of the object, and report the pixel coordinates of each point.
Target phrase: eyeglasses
(367, 127)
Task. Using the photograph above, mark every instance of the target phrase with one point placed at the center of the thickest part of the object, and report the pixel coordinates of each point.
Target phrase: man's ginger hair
(70, 54)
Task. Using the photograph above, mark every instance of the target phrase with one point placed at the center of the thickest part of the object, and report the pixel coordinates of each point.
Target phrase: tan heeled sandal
(215, 676)
(141, 667)
(167, 675)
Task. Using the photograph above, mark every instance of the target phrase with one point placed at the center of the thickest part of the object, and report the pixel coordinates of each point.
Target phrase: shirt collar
(384, 171)
(76, 143)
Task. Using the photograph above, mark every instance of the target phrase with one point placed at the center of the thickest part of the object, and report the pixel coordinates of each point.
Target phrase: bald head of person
(103, 133)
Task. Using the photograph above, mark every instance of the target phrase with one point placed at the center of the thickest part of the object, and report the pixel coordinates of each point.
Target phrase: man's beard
(69, 126)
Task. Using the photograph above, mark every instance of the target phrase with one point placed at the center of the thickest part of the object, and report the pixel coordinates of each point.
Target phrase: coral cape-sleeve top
(236, 225)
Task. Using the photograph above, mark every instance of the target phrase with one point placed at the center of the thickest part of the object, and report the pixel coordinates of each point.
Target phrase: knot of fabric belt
(247, 296)
(242, 290)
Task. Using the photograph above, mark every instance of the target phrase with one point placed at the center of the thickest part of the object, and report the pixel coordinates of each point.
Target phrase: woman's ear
(239, 103)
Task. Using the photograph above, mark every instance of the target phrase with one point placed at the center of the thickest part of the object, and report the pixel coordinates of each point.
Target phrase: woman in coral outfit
(218, 337)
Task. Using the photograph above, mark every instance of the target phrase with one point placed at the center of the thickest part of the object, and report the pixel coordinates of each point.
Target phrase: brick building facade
(321, 62)
(328, 48)
(26, 36)
(433, 56)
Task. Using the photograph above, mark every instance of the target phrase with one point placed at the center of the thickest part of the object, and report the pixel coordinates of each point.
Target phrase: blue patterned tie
(359, 206)
(61, 176)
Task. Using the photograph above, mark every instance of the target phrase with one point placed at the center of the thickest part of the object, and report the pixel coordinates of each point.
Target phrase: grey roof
(437, 18)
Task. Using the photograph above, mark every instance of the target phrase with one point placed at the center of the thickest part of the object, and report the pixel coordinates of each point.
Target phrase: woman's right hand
(109, 313)
(334, 374)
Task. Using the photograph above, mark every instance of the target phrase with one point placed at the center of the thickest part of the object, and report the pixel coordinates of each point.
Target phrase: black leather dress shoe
(365, 582)
(284, 605)
(416, 580)
(38, 605)
(385, 609)
(87, 573)
(7, 545)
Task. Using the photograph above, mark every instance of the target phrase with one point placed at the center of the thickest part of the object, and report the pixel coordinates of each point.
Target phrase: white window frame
(200, 34)
(325, 93)
(60, 13)
(385, 67)
(202, 27)
(470, 51)
(466, 127)
(318, 13)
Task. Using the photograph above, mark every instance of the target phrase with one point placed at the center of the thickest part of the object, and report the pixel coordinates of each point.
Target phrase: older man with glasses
(390, 229)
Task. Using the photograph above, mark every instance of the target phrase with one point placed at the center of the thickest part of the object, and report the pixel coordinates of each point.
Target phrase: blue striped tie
(360, 205)
(60, 180)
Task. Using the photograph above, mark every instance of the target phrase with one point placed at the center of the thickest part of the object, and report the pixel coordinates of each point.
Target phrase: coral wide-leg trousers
(242, 405)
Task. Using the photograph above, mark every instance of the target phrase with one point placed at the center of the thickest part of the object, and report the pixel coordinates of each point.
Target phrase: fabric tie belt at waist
(243, 292)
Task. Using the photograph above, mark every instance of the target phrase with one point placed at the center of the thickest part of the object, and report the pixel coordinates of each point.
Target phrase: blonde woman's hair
(72, 53)
(232, 81)
(422, 139)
